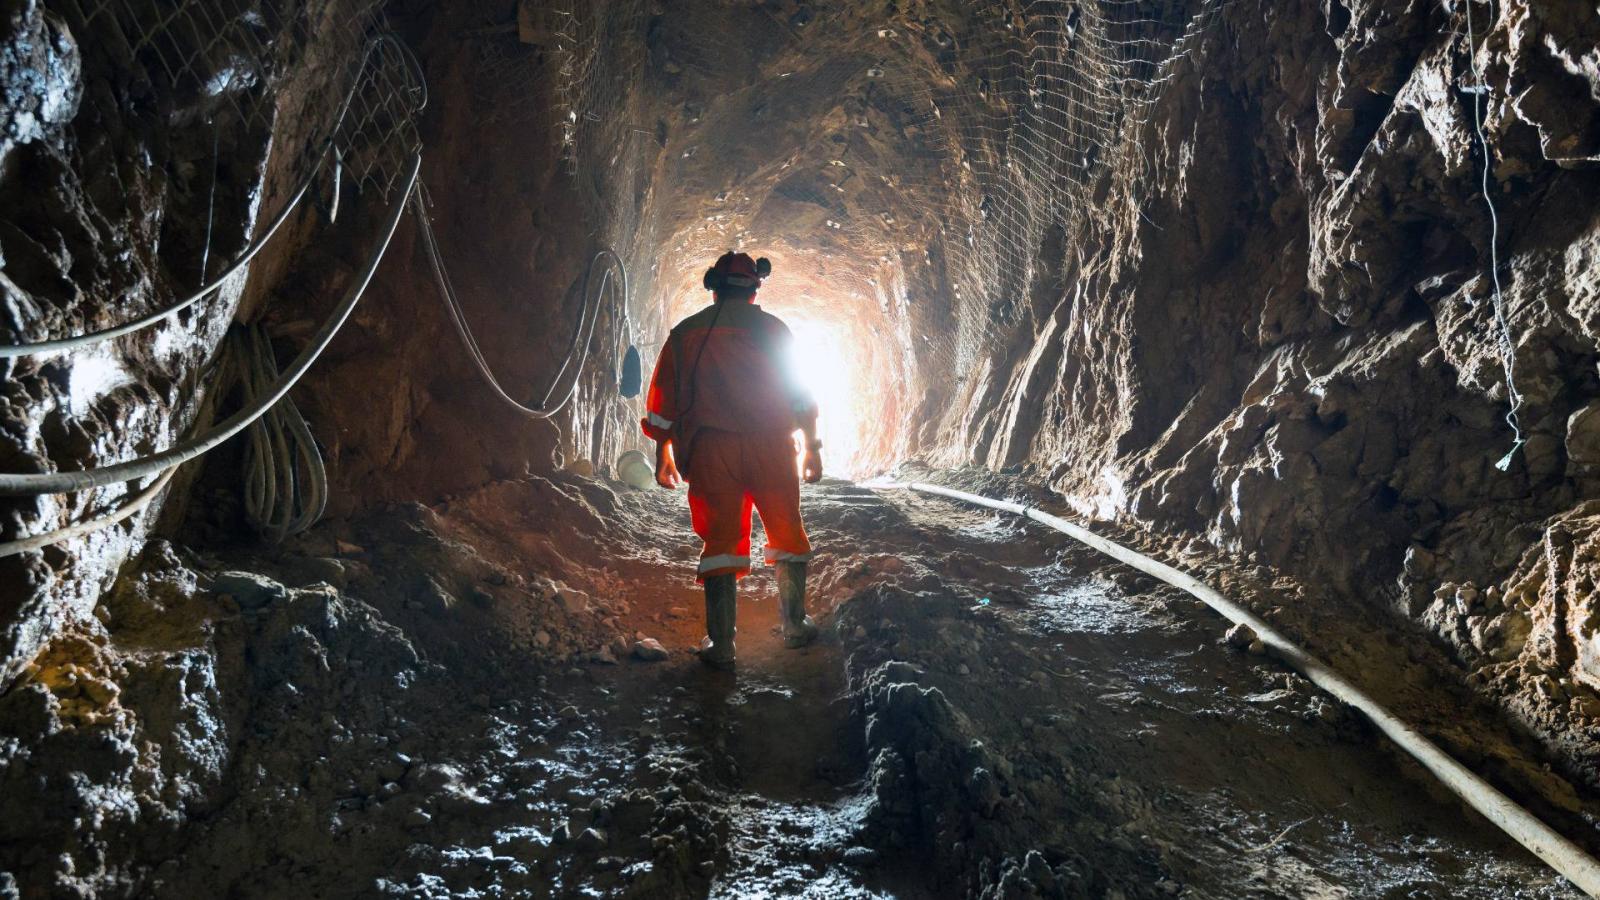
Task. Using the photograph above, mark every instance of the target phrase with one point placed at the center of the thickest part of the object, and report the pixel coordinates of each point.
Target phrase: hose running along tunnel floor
(989, 708)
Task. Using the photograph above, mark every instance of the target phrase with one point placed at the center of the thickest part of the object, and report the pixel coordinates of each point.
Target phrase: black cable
(693, 386)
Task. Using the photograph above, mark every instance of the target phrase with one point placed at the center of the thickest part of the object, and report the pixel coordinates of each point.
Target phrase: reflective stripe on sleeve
(659, 422)
(725, 561)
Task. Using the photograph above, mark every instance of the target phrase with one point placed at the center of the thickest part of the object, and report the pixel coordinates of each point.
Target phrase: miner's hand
(666, 469)
(812, 466)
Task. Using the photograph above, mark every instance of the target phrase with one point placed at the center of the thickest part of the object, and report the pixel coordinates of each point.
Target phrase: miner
(723, 408)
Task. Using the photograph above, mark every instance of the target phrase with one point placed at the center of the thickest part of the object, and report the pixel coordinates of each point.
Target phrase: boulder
(251, 590)
(1583, 435)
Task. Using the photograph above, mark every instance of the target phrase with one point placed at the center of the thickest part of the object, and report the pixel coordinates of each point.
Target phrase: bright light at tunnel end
(826, 361)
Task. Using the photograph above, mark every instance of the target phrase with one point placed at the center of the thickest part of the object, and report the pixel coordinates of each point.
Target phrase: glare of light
(93, 375)
(1107, 501)
(824, 359)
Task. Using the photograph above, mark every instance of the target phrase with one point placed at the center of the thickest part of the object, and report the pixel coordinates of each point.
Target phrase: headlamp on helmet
(737, 273)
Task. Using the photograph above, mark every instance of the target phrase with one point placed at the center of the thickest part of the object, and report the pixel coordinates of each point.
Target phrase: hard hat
(737, 271)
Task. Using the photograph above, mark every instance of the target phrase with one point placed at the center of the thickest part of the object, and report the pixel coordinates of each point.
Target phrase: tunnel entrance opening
(826, 360)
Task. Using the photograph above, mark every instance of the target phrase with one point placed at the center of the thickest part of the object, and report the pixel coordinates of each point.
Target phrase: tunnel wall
(1222, 271)
(1291, 350)
(121, 172)
(129, 681)
(139, 152)
(402, 411)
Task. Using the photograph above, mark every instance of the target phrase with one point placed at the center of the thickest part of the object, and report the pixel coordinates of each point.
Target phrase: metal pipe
(1522, 826)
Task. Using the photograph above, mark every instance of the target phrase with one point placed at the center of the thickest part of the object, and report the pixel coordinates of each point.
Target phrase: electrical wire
(8, 351)
(133, 504)
(139, 502)
(205, 290)
(1505, 344)
(211, 203)
(694, 370)
(582, 335)
(581, 356)
(13, 484)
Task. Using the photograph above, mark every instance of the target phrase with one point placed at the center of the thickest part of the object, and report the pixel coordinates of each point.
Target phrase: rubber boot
(716, 650)
(798, 629)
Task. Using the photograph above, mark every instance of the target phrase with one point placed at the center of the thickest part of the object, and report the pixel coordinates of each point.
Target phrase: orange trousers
(729, 474)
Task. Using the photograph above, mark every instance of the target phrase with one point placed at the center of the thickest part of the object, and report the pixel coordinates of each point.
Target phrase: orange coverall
(727, 399)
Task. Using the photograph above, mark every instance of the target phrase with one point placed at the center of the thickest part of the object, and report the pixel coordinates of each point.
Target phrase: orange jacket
(737, 376)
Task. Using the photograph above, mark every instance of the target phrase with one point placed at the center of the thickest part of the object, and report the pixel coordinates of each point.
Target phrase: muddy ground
(415, 705)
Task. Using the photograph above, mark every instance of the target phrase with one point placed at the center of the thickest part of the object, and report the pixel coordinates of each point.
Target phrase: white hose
(1526, 829)
(286, 482)
(40, 541)
(12, 484)
(582, 336)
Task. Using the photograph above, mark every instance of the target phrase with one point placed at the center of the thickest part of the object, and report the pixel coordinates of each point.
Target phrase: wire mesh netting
(1039, 113)
(599, 51)
(999, 127)
(511, 52)
(237, 61)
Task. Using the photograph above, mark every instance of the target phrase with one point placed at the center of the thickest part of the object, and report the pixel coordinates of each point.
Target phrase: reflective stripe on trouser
(712, 565)
(731, 474)
(722, 520)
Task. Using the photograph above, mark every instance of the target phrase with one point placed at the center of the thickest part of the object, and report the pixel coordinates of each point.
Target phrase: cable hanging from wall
(582, 336)
(31, 484)
(387, 72)
(372, 135)
(1505, 345)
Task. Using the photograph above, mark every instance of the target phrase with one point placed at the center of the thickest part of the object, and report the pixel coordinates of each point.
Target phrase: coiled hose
(286, 484)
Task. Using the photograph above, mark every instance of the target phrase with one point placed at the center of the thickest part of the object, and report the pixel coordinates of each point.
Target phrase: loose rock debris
(325, 736)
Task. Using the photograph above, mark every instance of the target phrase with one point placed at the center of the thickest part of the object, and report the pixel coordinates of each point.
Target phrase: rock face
(1305, 342)
(105, 198)
(1256, 274)
(141, 154)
